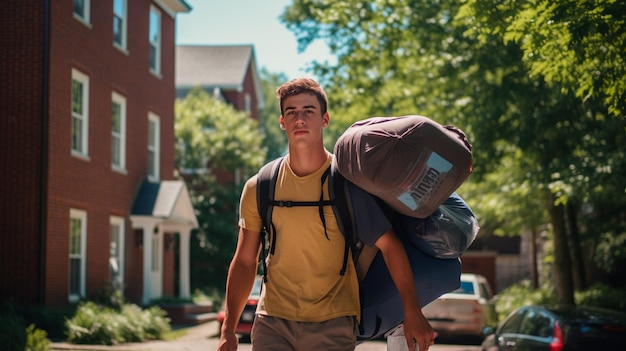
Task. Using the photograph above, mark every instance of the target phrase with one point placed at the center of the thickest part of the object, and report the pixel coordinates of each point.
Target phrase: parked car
(558, 328)
(464, 312)
(244, 327)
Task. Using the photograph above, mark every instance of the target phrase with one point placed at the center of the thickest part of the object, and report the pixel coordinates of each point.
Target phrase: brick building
(88, 195)
(227, 72)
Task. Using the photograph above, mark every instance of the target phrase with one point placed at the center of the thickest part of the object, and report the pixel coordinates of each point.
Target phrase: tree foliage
(209, 130)
(218, 147)
(274, 139)
(538, 86)
(578, 44)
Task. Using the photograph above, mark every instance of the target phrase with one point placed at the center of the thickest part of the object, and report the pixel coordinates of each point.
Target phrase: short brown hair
(302, 85)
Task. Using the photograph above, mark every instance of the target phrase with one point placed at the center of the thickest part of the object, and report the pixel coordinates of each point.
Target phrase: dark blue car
(558, 328)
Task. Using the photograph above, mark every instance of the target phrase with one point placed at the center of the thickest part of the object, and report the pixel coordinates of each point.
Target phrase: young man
(306, 304)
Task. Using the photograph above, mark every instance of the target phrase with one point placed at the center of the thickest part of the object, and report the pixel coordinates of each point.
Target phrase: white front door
(156, 271)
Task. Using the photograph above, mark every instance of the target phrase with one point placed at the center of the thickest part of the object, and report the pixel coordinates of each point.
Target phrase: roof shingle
(212, 66)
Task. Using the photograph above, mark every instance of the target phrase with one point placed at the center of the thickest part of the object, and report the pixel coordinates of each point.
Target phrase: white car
(465, 311)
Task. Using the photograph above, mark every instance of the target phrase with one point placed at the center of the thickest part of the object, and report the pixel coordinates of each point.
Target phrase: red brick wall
(248, 87)
(21, 76)
(481, 263)
(72, 182)
(237, 98)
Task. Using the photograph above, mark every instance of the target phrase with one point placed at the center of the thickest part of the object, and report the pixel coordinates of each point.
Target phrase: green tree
(274, 139)
(218, 148)
(467, 65)
(574, 48)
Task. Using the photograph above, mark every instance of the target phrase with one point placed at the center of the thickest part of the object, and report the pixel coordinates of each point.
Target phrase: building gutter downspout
(43, 160)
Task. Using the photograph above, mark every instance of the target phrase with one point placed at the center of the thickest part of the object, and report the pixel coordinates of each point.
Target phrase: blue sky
(212, 22)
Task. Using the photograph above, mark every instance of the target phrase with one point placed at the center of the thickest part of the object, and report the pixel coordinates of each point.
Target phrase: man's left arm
(416, 327)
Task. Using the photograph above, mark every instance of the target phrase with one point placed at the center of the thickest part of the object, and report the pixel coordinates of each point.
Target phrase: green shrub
(522, 294)
(159, 323)
(12, 332)
(50, 319)
(36, 339)
(101, 325)
(15, 336)
(602, 295)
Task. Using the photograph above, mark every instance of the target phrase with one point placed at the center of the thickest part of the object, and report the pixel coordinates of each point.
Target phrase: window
(484, 290)
(537, 324)
(155, 40)
(153, 146)
(116, 258)
(80, 113)
(118, 132)
(78, 237)
(82, 9)
(119, 23)
(247, 102)
(465, 288)
(511, 325)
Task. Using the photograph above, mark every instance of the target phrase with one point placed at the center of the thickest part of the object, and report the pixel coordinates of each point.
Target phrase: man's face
(302, 119)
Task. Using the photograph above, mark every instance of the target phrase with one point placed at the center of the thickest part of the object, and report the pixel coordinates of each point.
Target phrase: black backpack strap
(266, 184)
(339, 200)
(339, 192)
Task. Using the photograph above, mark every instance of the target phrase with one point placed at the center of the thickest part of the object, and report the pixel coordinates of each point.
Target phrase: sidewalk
(196, 339)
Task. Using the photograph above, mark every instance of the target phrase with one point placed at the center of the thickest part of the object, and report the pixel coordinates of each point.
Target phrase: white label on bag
(423, 181)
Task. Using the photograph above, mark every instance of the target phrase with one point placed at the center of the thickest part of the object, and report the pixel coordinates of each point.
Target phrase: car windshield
(466, 288)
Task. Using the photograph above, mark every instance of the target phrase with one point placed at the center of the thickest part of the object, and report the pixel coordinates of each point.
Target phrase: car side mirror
(488, 330)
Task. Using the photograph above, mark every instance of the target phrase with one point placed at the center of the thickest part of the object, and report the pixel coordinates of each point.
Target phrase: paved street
(203, 338)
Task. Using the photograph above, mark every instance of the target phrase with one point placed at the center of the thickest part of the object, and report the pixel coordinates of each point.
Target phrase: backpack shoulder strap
(339, 193)
(265, 186)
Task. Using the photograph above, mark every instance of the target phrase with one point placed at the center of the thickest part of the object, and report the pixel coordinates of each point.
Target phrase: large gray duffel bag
(411, 162)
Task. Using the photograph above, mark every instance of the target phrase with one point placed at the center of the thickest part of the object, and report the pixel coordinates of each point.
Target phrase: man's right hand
(228, 342)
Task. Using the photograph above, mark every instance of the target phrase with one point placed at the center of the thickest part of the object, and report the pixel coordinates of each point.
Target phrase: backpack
(339, 200)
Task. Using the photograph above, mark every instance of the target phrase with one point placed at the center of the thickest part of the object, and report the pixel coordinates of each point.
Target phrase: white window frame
(84, 17)
(154, 39)
(118, 137)
(154, 146)
(82, 149)
(120, 224)
(81, 247)
(121, 5)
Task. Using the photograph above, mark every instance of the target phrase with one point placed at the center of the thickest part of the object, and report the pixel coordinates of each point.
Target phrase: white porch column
(184, 272)
(147, 262)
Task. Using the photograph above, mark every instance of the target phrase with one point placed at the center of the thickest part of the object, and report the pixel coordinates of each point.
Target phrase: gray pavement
(203, 337)
(197, 338)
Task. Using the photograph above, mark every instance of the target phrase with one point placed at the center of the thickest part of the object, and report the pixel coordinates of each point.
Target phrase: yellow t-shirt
(304, 283)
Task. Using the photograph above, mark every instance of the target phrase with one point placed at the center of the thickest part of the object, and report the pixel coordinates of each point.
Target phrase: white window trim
(82, 216)
(123, 46)
(86, 18)
(120, 100)
(157, 45)
(84, 80)
(119, 221)
(156, 148)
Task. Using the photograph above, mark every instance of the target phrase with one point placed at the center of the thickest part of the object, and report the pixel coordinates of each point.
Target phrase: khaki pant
(276, 334)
